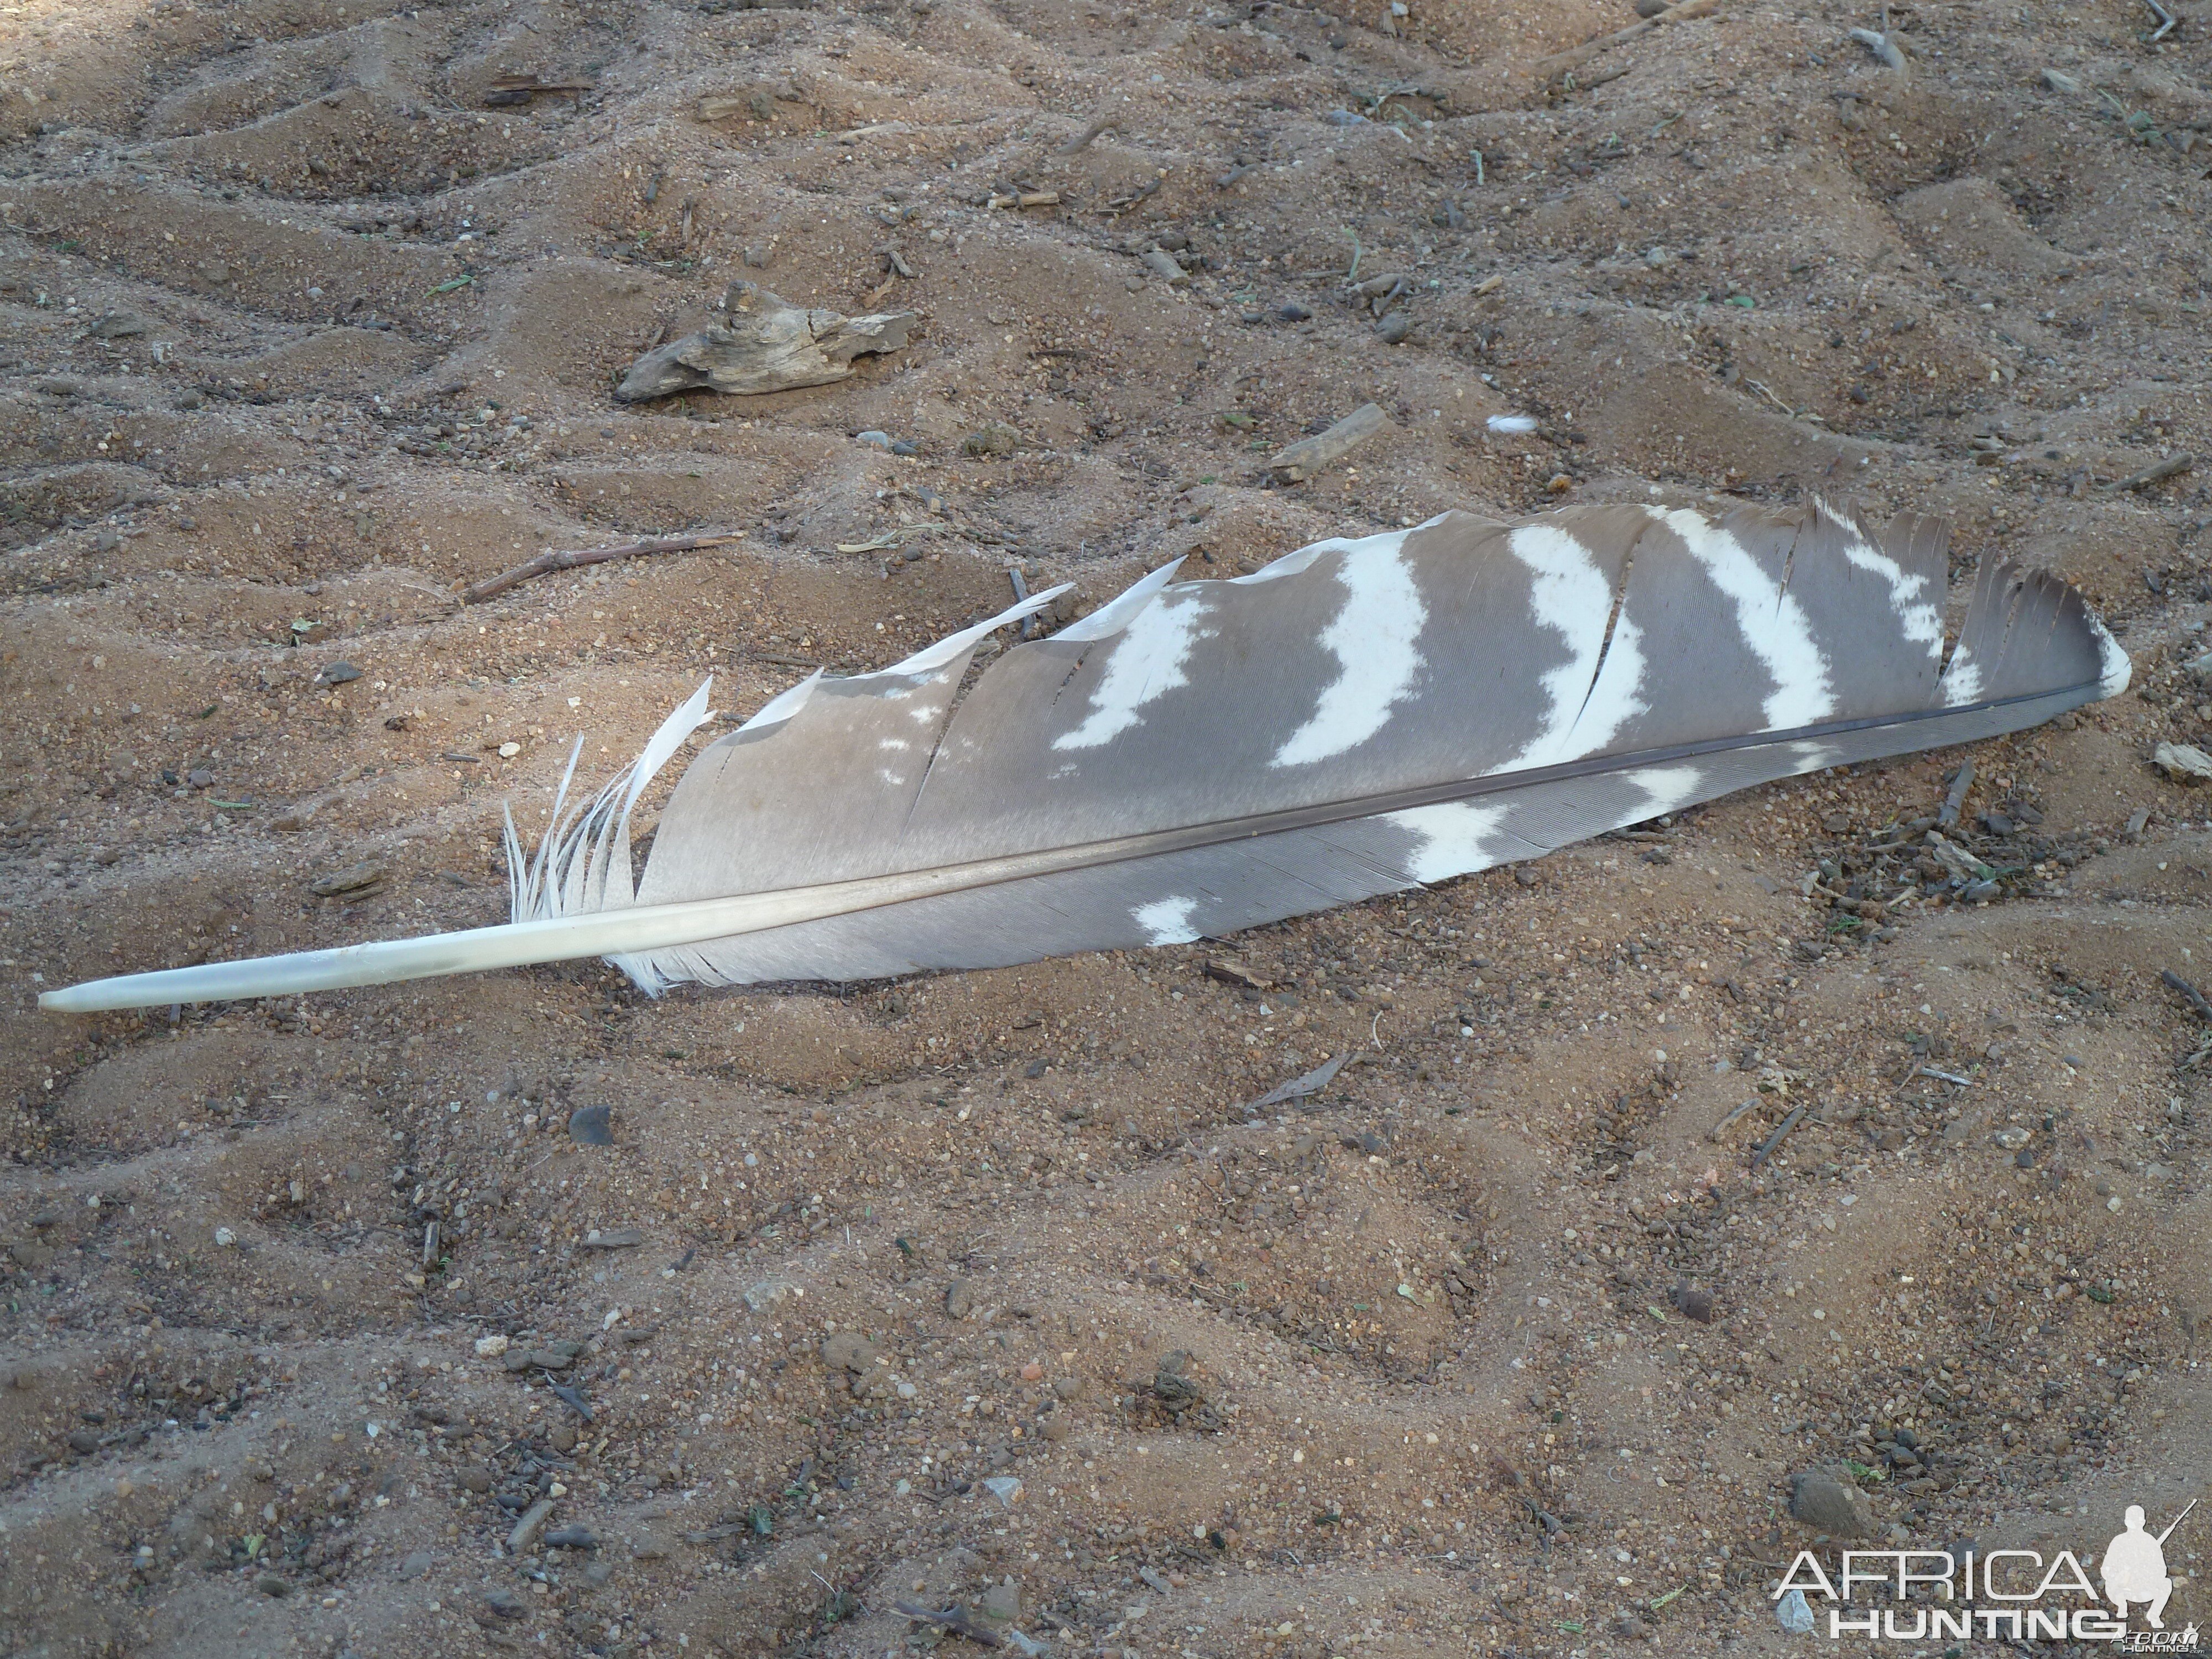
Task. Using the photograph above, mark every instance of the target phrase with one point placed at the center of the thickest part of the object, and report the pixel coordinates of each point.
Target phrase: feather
(1360, 717)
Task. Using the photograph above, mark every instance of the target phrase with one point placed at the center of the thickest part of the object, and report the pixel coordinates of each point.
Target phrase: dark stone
(588, 1126)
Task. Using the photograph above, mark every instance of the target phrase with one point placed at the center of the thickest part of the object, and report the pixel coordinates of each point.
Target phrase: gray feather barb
(1358, 718)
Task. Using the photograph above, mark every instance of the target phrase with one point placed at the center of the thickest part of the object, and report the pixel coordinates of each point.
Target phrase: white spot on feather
(1570, 595)
(1962, 680)
(1372, 639)
(1612, 700)
(1166, 921)
(1453, 838)
(1666, 786)
(1145, 663)
(1772, 623)
(2118, 670)
(1917, 619)
(1120, 611)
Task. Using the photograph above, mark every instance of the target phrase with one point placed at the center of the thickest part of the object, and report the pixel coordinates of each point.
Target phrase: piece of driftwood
(570, 558)
(506, 90)
(1558, 64)
(769, 345)
(1310, 455)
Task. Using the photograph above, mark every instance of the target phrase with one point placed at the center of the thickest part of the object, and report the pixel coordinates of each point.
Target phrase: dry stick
(1955, 800)
(2158, 473)
(570, 558)
(1766, 1149)
(1552, 67)
(1714, 1134)
(1081, 142)
(954, 1620)
(2196, 998)
(1308, 456)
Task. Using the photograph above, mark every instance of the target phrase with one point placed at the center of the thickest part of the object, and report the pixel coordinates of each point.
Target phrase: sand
(302, 336)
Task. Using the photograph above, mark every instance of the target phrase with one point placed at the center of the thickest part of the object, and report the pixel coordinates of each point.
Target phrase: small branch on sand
(570, 558)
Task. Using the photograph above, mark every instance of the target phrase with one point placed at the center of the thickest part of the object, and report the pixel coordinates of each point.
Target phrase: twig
(1714, 1134)
(570, 558)
(956, 1621)
(1553, 67)
(2196, 998)
(1478, 167)
(1766, 1148)
(1081, 142)
(1955, 800)
(1308, 456)
(2171, 466)
(1021, 592)
(1945, 1077)
(2166, 20)
(1880, 45)
(1354, 271)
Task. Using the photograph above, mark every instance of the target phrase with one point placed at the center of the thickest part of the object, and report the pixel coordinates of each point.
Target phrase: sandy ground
(300, 336)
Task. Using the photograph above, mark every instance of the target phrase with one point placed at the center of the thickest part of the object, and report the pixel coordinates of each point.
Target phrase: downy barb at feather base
(1358, 717)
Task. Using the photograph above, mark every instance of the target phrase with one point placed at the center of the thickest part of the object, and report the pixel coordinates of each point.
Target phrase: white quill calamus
(1358, 717)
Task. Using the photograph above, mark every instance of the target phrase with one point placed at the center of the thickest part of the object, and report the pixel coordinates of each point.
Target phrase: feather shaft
(633, 930)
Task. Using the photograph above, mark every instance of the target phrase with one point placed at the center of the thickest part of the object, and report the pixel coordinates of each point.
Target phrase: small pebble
(1293, 313)
(199, 777)
(959, 1299)
(416, 1565)
(881, 440)
(588, 1126)
(340, 673)
(1793, 1614)
(1395, 328)
(505, 1602)
(848, 1351)
(1826, 1506)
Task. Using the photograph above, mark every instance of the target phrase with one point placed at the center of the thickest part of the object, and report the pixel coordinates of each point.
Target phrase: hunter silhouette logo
(1998, 1595)
(2134, 1567)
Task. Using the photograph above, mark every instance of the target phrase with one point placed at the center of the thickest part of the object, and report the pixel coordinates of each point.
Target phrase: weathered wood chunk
(769, 345)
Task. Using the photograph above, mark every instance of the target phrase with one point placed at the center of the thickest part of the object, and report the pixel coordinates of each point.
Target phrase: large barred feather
(1358, 717)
